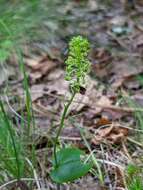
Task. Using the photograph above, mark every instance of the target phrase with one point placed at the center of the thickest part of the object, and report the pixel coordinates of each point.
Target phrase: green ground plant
(134, 171)
(67, 165)
(27, 24)
(134, 177)
(14, 144)
(16, 155)
(11, 148)
(17, 147)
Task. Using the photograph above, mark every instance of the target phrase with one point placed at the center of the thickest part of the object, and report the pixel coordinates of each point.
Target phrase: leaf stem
(61, 126)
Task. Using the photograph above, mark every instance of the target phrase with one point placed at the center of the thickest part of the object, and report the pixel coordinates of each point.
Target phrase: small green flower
(77, 63)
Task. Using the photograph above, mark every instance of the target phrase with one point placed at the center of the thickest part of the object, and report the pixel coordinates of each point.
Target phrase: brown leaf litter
(109, 132)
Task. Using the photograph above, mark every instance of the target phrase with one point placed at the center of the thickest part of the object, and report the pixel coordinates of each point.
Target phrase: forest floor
(107, 119)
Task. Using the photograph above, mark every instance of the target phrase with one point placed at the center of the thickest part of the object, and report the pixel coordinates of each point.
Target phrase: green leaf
(67, 155)
(69, 166)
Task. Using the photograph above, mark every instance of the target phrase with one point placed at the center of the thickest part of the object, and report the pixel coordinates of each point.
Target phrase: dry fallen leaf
(79, 102)
(101, 135)
(101, 60)
(37, 91)
(117, 135)
(132, 83)
(104, 101)
(123, 69)
(40, 66)
(103, 121)
(55, 84)
(83, 100)
(112, 133)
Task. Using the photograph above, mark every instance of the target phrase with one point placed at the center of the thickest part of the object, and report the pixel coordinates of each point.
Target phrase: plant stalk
(61, 126)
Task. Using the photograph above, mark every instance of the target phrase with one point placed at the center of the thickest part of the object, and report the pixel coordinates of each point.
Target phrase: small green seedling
(67, 165)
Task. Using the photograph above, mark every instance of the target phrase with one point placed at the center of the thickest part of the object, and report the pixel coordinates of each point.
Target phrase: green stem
(61, 126)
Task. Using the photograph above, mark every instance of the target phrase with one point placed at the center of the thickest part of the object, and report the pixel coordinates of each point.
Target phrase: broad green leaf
(69, 166)
(67, 155)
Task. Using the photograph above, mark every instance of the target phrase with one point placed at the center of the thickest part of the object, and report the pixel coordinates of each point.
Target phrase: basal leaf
(66, 155)
(69, 166)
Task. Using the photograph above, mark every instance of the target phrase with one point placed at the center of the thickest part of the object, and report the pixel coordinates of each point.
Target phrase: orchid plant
(67, 165)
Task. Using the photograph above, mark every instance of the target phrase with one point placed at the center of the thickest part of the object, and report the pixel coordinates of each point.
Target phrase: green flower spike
(77, 63)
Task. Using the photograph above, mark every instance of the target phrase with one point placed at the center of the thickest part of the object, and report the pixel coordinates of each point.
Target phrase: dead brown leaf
(118, 134)
(101, 59)
(102, 121)
(40, 66)
(112, 134)
(101, 135)
(104, 100)
(120, 178)
(123, 69)
(83, 100)
(56, 85)
(37, 91)
(132, 83)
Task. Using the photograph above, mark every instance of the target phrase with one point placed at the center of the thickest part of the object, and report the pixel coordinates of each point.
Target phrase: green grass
(134, 177)
(11, 148)
(134, 172)
(15, 142)
(20, 23)
(97, 170)
(28, 22)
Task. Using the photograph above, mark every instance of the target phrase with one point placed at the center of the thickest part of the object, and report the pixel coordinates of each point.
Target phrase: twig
(112, 107)
(14, 181)
(135, 142)
(126, 151)
(70, 138)
(103, 161)
(11, 108)
(116, 108)
(117, 40)
(34, 173)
